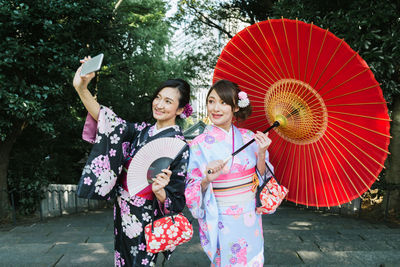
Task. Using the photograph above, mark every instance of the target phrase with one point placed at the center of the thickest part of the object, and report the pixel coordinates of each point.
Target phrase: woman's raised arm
(80, 84)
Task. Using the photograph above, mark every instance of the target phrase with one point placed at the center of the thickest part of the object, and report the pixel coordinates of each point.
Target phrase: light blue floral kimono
(230, 234)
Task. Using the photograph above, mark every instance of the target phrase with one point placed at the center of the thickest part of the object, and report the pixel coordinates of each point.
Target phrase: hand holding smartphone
(92, 65)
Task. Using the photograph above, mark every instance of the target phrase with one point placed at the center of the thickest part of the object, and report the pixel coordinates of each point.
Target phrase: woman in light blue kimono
(220, 191)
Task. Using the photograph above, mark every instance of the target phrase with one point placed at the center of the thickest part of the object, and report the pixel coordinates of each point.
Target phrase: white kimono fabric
(230, 232)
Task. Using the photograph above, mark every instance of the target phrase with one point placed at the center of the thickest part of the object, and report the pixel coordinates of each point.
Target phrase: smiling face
(219, 112)
(165, 107)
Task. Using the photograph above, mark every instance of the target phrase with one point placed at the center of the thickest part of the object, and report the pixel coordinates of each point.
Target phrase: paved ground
(292, 237)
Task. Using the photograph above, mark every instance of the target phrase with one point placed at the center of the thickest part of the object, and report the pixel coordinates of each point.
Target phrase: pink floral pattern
(105, 182)
(88, 181)
(117, 141)
(112, 152)
(118, 260)
(234, 210)
(138, 201)
(125, 210)
(227, 233)
(192, 195)
(131, 226)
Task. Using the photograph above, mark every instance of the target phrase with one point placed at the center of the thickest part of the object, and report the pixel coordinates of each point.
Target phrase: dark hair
(182, 86)
(228, 91)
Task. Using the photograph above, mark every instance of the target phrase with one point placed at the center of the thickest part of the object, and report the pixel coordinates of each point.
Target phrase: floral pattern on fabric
(169, 234)
(115, 142)
(230, 235)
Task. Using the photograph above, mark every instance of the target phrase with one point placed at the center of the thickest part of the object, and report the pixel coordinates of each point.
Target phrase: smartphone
(92, 65)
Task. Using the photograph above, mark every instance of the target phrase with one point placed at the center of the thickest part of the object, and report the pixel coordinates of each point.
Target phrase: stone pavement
(292, 237)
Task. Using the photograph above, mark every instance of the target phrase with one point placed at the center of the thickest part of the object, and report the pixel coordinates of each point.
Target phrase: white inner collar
(229, 133)
(156, 131)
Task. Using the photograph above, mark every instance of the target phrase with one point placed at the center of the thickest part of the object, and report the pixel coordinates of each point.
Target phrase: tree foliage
(42, 42)
(221, 20)
(370, 27)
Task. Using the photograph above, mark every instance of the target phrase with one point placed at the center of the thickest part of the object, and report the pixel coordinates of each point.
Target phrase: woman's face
(219, 112)
(165, 106)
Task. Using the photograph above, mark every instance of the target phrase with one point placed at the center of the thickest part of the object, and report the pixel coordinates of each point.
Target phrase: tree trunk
(393, 172)
(5, 150)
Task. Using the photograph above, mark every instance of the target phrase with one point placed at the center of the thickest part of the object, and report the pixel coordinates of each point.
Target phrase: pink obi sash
(146, 193)
(232, 189)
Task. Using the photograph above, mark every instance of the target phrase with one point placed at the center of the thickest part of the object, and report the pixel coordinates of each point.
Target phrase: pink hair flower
(242, 95)
(243, 100)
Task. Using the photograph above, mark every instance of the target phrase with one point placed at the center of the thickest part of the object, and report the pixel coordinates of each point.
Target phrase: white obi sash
(233, 189)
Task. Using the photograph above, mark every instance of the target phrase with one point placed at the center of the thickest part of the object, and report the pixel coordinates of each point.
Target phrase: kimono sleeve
(193, 192)
(268, 170)
(104, 164)
(263, 179)
(175, 190)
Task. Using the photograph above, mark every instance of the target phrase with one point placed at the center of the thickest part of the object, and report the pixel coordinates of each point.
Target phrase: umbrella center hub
(299, 108)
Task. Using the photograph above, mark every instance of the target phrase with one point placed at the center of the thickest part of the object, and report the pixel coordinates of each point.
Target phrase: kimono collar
(154, 130)
(227, 132)
(236, 138)
(212, 127)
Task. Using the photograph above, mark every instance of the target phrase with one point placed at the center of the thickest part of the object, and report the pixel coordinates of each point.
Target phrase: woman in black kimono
(115, 142)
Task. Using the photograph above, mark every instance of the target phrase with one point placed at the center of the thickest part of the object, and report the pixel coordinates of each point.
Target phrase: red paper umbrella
(334, 127)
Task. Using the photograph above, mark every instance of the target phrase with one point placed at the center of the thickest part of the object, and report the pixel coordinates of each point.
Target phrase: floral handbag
(270, 195)
(167, 232)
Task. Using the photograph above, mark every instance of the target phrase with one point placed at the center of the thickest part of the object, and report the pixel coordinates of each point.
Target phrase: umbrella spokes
(333, 134)
(300, 110)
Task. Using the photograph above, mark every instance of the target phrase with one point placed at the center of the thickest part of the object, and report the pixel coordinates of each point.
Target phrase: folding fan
(150, 160)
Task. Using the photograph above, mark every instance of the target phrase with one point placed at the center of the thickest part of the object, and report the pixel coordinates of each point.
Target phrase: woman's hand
(159, 183)
(213, 170)
(81, 82)
(262, 141)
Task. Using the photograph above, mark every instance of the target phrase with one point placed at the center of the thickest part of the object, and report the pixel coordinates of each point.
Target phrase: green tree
(41, 116)
(221, 20)
(41, 41)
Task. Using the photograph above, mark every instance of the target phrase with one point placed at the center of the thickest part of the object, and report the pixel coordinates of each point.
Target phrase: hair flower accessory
(187, 111)
(243, 100)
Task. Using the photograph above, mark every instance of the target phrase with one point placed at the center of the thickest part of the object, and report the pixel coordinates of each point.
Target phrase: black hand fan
(150, 160)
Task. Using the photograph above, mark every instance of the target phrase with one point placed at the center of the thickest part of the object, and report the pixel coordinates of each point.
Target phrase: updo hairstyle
(183, 88)
(229, 92)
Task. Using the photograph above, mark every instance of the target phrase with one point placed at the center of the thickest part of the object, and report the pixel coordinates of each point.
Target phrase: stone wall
(61, 199)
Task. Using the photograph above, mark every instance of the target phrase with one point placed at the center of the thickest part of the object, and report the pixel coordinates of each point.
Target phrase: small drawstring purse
(270, 195)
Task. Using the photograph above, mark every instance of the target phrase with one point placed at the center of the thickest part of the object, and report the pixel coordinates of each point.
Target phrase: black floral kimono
(115, 142)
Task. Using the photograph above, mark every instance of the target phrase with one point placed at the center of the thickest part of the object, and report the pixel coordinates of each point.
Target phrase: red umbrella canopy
(334, 133)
